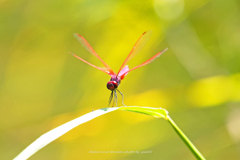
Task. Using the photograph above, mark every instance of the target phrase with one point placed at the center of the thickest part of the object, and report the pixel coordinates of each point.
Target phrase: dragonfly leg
(122, 98)
(110, 98)
(115, 96)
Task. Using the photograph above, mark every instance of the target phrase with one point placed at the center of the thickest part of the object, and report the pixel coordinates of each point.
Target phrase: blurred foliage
(197, 79)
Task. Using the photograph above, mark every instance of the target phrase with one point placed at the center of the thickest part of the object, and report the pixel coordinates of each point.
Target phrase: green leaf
(55, 133)
(50, 136)
(155, 112)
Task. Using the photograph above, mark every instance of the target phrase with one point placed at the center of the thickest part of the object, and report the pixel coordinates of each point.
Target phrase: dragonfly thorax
(113, 83)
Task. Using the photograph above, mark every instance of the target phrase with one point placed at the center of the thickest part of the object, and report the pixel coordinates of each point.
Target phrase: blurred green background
(198, 79)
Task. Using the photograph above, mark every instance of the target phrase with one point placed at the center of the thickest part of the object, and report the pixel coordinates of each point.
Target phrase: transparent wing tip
(165, 50)
(149, 31)
(72, 53)
(76, 35)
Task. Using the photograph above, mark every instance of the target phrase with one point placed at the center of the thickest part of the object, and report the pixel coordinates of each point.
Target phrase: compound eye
(112, 85)
(115, 84)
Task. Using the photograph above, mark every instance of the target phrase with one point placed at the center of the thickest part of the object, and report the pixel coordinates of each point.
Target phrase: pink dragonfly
(123, 71)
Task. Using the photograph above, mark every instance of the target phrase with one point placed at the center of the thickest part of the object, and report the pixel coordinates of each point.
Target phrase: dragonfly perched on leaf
(123, 71)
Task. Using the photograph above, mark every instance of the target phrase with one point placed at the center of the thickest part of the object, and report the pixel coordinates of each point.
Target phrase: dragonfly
(116, 79)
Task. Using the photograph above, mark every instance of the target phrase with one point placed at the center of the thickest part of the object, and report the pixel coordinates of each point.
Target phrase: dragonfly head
(112, 85)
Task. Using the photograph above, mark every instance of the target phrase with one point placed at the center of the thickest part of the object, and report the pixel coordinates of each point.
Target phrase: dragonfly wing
(149, 60)
(88, 47)
(123, 72)
(99, 68)
(137, 47)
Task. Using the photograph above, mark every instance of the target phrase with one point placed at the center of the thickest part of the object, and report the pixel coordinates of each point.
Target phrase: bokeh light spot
(210, 91)
(168, 9)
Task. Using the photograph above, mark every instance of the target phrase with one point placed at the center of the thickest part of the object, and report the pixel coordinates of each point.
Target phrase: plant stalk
(189, 144)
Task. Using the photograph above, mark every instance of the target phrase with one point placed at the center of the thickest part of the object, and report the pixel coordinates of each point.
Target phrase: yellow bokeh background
(197, 80)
